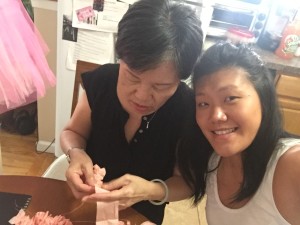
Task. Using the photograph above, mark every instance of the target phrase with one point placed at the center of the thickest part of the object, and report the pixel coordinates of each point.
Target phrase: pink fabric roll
(107, 212)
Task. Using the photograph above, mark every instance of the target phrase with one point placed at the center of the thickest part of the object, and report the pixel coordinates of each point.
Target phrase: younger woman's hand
(128, 190)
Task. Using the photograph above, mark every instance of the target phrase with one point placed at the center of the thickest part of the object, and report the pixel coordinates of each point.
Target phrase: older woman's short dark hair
(153, 31)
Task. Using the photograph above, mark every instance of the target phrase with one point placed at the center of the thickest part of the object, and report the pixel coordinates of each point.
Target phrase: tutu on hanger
(24, 71)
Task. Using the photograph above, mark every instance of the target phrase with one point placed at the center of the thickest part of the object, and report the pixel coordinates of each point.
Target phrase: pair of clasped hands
(128, 189)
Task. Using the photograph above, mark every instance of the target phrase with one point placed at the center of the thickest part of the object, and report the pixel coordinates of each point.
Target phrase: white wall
(65, 78)
(45, 18)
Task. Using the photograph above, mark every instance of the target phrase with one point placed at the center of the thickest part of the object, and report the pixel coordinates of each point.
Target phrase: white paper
(129, 1)
(92, 46)
(107, 19)
(67, 10)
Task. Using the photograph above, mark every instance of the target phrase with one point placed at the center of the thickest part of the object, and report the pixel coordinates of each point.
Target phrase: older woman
(131, 114)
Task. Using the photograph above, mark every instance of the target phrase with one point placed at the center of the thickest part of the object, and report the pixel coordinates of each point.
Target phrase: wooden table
(56, 197)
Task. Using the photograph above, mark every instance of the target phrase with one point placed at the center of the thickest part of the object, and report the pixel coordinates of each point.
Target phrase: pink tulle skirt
(24, 71)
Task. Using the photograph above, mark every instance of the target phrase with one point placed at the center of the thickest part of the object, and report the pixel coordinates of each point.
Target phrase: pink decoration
(107, 212)
(85, 13)
(24, 71)
(40, 218)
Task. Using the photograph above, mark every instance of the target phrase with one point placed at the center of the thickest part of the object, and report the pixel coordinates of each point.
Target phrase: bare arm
(178, 189)
(286, 185)
(77, 130)
(74, 135)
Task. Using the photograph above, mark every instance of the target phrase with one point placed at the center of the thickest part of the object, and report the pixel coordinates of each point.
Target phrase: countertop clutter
(272, 61)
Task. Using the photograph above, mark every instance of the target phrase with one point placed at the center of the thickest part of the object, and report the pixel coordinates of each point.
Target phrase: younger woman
(252, 176)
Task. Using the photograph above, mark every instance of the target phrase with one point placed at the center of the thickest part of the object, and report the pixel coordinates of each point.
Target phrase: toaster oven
(248, 15)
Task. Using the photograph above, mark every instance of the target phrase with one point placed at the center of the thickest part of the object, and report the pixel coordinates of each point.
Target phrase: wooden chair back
(81, 67)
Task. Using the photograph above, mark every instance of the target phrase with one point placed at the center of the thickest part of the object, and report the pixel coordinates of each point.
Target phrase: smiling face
(142, 93)
(228, 110)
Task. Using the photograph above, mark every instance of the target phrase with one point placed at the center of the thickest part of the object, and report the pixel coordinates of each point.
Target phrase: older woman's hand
(80, 176)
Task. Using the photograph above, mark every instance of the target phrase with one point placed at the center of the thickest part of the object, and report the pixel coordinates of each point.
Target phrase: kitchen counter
(272, 61)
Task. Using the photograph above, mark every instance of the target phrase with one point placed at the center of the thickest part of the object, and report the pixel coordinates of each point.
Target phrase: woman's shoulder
(106, 70)
(290, 159)
(183, 94)
(290, 155)
(286, 184)
(185, 88)
(101, 76)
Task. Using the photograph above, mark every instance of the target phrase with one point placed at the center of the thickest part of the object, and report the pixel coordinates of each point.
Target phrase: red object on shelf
(289, 41)
(238, 36)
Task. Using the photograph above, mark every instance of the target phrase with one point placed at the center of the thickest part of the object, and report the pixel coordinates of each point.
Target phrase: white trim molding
(42, 145)
(44, 4)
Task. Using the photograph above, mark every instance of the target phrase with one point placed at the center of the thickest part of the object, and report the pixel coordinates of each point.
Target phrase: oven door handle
(232, 9)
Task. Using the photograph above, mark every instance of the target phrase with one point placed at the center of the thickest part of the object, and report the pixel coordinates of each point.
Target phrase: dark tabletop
(56, 197)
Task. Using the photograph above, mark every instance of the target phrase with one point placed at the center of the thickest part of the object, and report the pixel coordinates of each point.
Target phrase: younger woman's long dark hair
(193, 153)
(256, 157)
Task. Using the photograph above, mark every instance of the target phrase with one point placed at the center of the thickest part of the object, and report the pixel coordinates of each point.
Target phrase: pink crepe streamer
(40, 218)
(107, 212)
